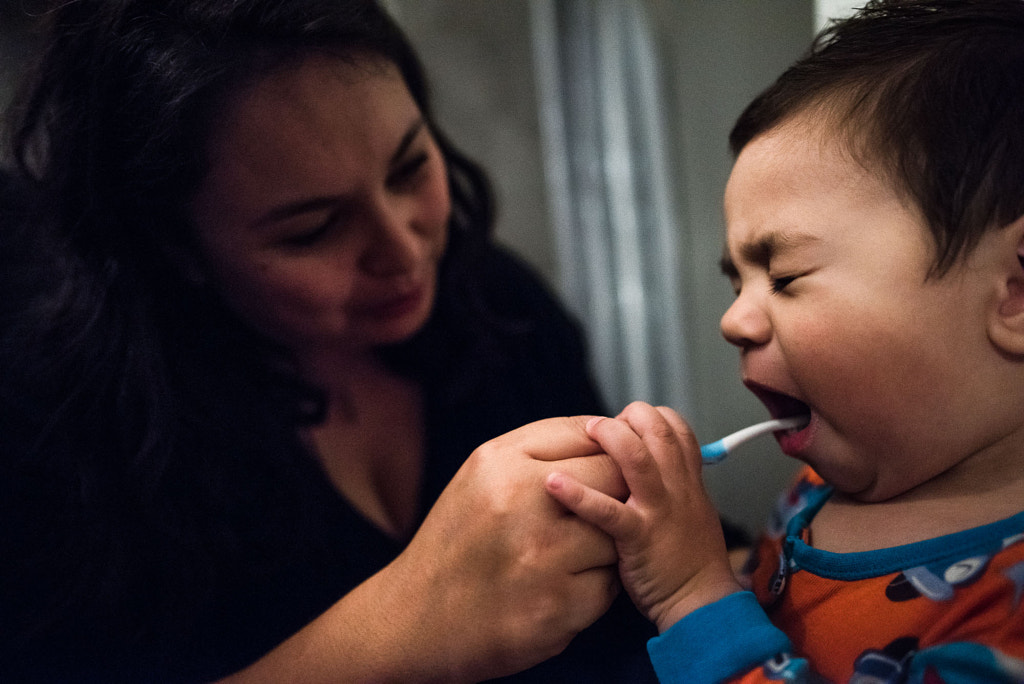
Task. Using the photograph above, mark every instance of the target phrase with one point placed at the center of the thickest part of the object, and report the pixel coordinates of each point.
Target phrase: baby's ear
(1006, 324)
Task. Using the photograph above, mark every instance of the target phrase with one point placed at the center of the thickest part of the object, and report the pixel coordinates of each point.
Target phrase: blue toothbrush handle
(716, 451)
(713, 452)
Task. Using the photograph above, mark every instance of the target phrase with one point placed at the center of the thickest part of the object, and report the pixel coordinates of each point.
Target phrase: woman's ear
(1006, 324)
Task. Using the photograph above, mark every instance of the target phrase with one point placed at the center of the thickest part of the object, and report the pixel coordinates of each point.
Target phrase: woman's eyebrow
(293, 209)
(407, 140)
(325, 203)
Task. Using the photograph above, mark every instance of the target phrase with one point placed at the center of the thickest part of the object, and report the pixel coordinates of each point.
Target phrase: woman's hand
(498, 578)
(514, 574)
(672, 556)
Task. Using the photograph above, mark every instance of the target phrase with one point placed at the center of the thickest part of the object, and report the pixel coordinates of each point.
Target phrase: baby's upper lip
(779, 404)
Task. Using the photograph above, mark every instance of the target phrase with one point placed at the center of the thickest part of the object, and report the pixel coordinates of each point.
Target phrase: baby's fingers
(660, 427)
(630, 452)
(604, 512)
(669, 440)
(682, 429)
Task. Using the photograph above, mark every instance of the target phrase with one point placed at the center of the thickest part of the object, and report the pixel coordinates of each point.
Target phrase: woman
(253, 327)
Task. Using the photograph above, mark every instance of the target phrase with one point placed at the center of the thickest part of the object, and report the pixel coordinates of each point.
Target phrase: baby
(875, 242)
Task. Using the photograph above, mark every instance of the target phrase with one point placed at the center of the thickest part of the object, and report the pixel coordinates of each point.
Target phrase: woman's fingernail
(592, 422)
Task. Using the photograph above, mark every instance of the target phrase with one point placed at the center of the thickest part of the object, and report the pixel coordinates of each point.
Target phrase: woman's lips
(393, 307)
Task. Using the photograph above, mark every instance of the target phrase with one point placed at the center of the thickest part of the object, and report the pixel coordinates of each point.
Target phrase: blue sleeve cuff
(716, 642)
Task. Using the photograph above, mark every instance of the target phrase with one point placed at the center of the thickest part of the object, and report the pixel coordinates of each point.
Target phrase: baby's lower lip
(795, 442)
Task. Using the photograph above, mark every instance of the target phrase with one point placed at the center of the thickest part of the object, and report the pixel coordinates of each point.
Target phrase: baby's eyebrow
(761, 250)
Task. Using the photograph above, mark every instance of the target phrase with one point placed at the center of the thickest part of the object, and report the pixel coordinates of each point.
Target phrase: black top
(193, 614)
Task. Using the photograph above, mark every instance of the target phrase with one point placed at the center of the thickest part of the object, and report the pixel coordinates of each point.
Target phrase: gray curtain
(609, 187)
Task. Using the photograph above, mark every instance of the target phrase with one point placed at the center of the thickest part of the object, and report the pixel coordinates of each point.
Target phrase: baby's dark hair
(928, 92)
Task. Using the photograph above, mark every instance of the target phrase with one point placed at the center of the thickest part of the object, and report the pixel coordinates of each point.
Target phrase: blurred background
(603, 124)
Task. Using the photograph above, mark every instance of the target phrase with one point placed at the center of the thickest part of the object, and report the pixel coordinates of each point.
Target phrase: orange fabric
(833, 622)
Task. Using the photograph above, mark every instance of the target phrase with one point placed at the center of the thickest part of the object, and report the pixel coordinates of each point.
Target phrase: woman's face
(325, 210)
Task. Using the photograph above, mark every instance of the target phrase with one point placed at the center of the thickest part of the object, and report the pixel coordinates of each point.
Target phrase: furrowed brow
(760, 251)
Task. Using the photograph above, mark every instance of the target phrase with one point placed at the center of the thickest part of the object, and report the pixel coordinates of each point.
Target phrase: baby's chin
(861, 487)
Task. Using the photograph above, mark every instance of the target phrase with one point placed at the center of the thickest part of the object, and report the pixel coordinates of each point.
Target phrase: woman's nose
(394, 244)
(746, 324)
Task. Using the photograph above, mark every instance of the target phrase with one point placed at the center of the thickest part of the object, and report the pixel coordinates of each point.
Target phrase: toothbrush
(716, 451)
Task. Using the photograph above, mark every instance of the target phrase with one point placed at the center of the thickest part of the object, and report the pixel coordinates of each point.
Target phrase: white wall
(825, 10)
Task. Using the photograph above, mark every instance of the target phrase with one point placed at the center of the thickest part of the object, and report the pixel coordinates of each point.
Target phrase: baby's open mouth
(779, 405)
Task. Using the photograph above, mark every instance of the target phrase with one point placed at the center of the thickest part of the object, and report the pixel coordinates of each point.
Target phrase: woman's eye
(780, 284)
(309, 237)
(407, 172)
(306, 239)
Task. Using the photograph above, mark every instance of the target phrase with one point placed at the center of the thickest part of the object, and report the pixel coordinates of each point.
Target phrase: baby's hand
(672, 556)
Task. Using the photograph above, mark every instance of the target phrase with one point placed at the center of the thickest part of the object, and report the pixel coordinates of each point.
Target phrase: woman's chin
(397, 329)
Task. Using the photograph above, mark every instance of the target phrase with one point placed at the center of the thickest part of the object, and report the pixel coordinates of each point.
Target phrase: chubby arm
(498, 578)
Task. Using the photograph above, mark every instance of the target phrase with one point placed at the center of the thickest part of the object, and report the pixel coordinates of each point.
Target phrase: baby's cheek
(827, 366)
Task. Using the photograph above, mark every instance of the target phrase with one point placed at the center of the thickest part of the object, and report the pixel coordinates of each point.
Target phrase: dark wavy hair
(129, 396)
(928, 92)
(110, 143)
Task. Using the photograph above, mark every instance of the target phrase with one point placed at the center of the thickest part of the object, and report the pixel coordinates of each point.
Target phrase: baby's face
(834, 315)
